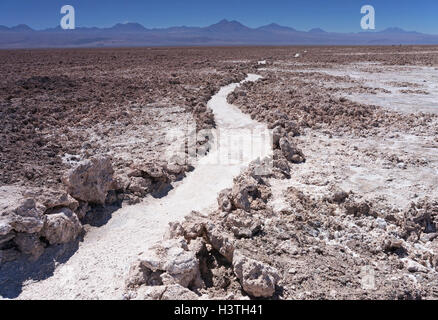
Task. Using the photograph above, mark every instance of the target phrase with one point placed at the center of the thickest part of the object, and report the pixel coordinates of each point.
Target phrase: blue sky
(331, 15)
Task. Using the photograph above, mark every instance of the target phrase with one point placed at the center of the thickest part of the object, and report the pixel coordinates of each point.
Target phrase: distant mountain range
(222, 33)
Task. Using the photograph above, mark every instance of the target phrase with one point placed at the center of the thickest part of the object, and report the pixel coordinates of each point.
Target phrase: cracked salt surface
(376, 75)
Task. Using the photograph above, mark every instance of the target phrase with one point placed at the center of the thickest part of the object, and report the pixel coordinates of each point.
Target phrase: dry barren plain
(93, 206)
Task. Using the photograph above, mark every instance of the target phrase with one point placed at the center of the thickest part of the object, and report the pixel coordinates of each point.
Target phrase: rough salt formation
(290, 152)
(90, 180)
(29, 244)
(362, 207)
(54, 199)
(118, 104)
(327, 241)
(61, 226)
(203, 249)
(220, 241)
(168, 263)
(151, 178)
(309, 246)
(107, 113)
(42, 217)
(257, 279)
(168, 292)
(102, 135)
(31, 219)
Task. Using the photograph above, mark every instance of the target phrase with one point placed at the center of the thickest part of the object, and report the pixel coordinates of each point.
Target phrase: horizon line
(222, 20)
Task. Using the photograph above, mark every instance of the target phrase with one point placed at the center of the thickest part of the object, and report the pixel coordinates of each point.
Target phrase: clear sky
(331, 15)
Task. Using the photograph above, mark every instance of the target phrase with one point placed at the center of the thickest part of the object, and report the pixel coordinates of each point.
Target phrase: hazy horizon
(336, 16)
(224, 19)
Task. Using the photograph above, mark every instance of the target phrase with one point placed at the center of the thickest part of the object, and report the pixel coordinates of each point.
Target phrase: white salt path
(97, 269)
